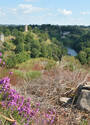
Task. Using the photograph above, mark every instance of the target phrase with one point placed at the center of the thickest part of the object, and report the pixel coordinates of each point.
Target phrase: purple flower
(0, 60)
(0, 54)
(1, 82)
(3, 63)
(10, 73)
(14, 123)
(15, 102)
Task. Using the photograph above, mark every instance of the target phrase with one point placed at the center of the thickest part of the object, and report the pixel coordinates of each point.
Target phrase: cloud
(64, 11)
(85, 13)
(1, 12)
(29, 8)
(13, 10)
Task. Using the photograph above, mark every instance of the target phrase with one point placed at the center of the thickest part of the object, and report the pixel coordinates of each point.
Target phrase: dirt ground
(48, 89)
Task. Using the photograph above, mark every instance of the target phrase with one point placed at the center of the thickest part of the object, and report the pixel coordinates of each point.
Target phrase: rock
(83, 101)
(87, 86)
(65, 100)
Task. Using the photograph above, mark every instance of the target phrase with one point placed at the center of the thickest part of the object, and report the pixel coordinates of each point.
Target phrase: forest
(49, 41)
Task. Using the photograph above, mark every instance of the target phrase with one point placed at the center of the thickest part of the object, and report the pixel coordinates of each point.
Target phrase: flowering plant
(20, 108)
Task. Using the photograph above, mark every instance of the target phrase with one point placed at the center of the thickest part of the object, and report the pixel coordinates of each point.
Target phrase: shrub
(11, 61)
(22, 57)
(50, 64)
(23, 111)
(15, 59)
(82, 57)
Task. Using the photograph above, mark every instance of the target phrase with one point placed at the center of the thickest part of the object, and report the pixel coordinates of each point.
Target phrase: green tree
(22, 57)
(35, 48)
(83, 57)
(44, 51)
(19, 42)
(11, 61)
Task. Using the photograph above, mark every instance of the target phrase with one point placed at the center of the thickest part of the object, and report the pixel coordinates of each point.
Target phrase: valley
(45, 65)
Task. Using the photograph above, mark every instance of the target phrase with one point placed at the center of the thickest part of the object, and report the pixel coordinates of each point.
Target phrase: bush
(15, 59)
(11, 62)
(50, 64)
(82, 57)
(22, 57)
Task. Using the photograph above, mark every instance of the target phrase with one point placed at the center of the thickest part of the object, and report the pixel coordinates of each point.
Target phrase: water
(71, 52)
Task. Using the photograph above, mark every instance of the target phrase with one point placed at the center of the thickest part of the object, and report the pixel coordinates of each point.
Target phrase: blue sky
(61, 12)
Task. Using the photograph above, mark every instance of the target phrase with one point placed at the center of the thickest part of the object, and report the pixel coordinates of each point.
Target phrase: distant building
(66, 33)
(2, 37)
(26, 28)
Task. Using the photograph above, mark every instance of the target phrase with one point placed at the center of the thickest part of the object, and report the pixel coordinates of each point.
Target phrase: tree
(19, 42)
(88, 60)
(7, 32)
(11, 61)
(15, 32)
(19, 48)
(44, 51)
(35, 53)
(22, 57)
(35, 48)
(82, 57)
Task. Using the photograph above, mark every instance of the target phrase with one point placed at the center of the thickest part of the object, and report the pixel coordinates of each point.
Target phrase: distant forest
(49, 41)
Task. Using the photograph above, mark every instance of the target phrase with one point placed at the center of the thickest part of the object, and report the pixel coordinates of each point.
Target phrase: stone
(87, 86)
(83, 101)
(65, 100)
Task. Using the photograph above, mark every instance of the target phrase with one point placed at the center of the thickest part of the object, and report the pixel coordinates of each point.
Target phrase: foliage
(21, 109)
(22, 57)
(51, 64)
(70, 63)
(36, 41)
(83, 57)
(15, 109)
(47, 40)
(84, 122)
(43, 63)
(12, 60)
(33, 74)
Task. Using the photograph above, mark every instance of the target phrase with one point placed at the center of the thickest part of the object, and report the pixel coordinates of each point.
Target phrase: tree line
(47, 41)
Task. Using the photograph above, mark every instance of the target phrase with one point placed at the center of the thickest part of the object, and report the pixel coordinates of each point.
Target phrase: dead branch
(6, 118)
(13, 119)
(73, 90)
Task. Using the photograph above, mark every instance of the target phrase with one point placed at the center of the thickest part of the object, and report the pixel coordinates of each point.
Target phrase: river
(71, 52)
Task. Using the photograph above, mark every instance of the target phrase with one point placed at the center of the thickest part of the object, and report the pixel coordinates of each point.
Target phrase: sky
(57, 12)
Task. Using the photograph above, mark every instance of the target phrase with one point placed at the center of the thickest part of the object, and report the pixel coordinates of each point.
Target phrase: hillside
(45, 81)
(38, 77)
(48, 41)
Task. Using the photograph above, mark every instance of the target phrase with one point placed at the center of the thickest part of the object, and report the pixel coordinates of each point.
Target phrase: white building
(66, 33)
(26, 28)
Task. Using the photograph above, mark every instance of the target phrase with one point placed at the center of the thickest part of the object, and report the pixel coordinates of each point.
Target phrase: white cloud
(85, 13)
(65, 12)
(13, 10)
(29, 8)
(1, 12)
